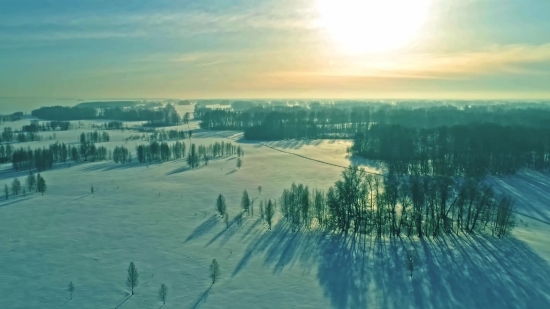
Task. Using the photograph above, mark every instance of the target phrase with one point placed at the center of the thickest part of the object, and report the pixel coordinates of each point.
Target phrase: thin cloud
(167, 24)
(510, 59)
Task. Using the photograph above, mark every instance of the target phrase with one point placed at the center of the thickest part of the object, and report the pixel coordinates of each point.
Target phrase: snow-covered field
(162, 218)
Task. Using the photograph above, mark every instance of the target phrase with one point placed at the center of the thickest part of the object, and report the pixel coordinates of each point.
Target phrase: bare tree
(245, 202)
(262, 216)
(163, 292)
(41, 184)
(220, 205)
(71, 289)
(240, 219)
(214, 271)
(133, 277)
(410, 262)
(31, 182)
(269, 212)
(15, 187)
(226, 220)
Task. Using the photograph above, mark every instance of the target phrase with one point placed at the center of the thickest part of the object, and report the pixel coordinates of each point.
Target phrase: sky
(395, 49)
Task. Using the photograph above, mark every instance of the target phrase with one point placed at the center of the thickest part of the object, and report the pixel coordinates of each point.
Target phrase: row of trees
(161, 135)
(11, 117)
(220, 149)
(470, 150)
(43, 159)
(6, 151)
(158, 152)
(161, 152)
(37, 126)
(33, 183)
(170, 134)
(267, 209)
(9, 135)
(121, 155)
(364, 203)
(166, 116)
(94, 137)
(284, 122)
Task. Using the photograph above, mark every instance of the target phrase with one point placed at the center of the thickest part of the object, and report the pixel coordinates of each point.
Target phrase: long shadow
(227, 232)
(9, 172)
(202, 229)
(123, 301)
(201, 133)
(531, 217)
(15, 200)
(205, 294)
(466, 271)
(108, 166)
(529, 190)
(285, 144)
(178, 170)
(64, 303)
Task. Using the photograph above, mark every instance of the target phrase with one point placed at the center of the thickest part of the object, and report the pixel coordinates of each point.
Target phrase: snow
(162, 218)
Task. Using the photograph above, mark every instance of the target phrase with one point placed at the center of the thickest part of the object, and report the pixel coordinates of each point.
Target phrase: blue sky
(465, 49)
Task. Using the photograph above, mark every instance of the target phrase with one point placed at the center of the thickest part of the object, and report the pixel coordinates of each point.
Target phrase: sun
(373, 25)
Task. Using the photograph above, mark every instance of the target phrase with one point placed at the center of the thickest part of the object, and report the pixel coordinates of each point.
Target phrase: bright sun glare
(373, 25)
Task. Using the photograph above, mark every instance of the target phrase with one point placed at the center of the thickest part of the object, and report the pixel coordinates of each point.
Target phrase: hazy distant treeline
(439, 140)
(154, 116)
(284, 122)
(11, 117)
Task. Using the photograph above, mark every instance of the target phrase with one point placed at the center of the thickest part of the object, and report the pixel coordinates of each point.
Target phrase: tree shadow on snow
(178, 170)
(530, 192)
(16, 199)
(108, 166)
(204, 296)
(467, 271)
(204, 228)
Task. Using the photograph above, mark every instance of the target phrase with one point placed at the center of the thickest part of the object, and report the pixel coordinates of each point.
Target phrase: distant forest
(11, 117)
(439, 140)
(166, 116)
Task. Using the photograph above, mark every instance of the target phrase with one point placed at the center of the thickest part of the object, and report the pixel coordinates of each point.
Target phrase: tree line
(165, 116)
(170, 134)
(36, 126)
(161, 152)
(94, 137)
(423, 206)
(10, 136)
(121, 155)
(42, 159)
(29, 133)
(33, 183)
(330, 121)
(11, 117)
(466, 150)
